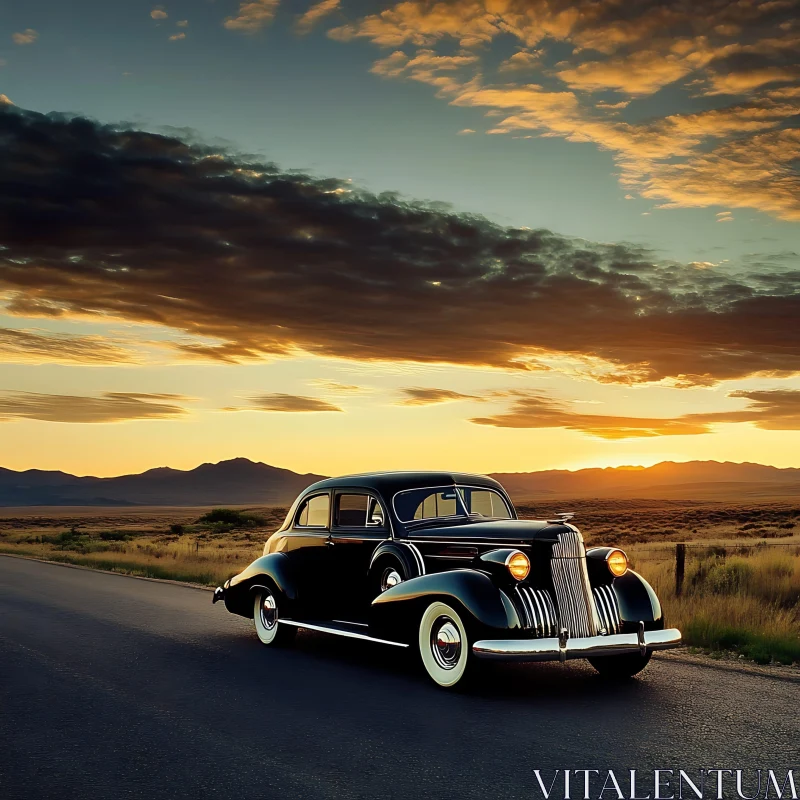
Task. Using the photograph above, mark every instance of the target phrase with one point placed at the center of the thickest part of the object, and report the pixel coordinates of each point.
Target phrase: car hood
(511, 531)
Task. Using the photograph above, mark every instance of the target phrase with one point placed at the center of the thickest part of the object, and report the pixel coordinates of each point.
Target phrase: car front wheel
(265, 617)
(622, 666)
(443, 645)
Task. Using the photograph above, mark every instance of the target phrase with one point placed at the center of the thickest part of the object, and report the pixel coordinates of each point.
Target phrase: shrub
(176, 528)
(728, 577)
(232, 518)
(115, 536)
(72, 536)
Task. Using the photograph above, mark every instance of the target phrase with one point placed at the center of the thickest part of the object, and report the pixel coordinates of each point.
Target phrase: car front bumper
(562, 649)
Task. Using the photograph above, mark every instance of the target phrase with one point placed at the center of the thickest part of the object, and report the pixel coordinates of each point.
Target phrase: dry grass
(742, 599)
(740, 593)
(626, 522)
(156, 543)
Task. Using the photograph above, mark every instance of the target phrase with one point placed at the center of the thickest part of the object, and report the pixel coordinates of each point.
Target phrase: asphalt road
(112, 687)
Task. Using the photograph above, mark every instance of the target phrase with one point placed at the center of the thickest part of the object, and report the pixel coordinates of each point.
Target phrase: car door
(359, 525)
(308, 548)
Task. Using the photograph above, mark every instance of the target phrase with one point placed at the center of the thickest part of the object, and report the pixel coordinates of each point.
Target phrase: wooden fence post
(680, 561)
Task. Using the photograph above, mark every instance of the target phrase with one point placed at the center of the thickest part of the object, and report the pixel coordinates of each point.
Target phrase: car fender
(637, 603)
(487, 611)
(273, 571)
(407, 554)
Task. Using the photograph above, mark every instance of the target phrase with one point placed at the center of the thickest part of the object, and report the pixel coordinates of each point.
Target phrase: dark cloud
(38, 347)
(109, 407)
(100, 220)
(423, 396)
(289, 402)
(777, 409)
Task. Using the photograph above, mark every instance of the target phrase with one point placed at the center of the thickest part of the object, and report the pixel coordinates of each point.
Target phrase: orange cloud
(777, 409)
(423, 24)
(425, 67)
(524, 59)
(424, 396)
(252, 16)
(745, 81)
(28, 36)
(340, 388)
(38, 347)
(109, 407)
(314, 14)
(289, 403)
(741, 49)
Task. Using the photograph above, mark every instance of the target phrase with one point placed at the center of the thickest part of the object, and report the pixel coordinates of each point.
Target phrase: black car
(439, 561)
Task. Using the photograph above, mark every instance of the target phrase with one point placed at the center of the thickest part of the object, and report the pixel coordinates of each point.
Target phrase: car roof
(388, 483)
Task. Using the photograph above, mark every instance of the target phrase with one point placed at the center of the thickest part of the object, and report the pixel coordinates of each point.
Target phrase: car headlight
(519, 565)
(617, 563)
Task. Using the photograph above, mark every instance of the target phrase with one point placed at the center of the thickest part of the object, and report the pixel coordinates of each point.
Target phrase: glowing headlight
(519, 565)
(617, 562)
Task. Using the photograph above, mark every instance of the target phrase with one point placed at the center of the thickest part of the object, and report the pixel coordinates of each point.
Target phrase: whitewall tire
(265, 618)
(443, 645)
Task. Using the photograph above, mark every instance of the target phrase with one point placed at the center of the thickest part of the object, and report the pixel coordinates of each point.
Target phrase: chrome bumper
(561, 649)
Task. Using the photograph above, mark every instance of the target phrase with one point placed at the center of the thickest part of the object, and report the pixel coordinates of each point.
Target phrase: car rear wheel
(622, 666)
(265, 618)
(444, 645)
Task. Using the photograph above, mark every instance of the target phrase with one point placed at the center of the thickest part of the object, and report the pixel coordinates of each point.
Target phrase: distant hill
(693, 480)
(244, 482)
(235, 482)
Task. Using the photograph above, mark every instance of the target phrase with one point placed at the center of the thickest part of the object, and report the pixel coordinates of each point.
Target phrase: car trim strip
(417, 556)
(538, 610)
(608, 608)
(314, 626)
(576, 608)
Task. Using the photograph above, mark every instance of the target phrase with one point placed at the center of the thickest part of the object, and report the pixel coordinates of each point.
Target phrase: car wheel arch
(401, 554)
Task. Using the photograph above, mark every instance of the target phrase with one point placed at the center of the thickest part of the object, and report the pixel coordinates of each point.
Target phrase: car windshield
(450, 501)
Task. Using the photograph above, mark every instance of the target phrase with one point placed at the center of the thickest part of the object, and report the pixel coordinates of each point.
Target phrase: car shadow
(357, 660)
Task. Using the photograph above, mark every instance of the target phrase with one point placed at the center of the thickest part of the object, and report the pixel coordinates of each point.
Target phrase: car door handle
(330, 543)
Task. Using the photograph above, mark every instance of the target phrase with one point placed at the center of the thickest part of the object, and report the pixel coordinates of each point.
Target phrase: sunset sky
(484, 235)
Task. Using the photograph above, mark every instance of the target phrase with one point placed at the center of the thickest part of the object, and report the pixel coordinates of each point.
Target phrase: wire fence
(680, 550)
(669, 547)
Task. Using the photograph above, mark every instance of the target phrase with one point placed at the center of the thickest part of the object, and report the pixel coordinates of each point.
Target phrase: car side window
(376, 516)
(358, 511)
(314, 512)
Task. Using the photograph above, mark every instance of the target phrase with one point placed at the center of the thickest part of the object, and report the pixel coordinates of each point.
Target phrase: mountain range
(240, 481)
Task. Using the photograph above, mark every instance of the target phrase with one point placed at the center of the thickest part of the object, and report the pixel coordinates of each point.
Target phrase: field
(741, 591)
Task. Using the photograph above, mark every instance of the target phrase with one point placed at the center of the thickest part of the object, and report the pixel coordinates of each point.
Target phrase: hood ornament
(562, 517)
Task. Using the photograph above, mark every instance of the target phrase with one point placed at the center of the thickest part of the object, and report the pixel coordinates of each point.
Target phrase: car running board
(349, 629)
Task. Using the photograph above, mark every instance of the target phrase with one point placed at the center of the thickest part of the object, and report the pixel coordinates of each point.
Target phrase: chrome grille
(607, 609)
(538, 611)
(576, 608)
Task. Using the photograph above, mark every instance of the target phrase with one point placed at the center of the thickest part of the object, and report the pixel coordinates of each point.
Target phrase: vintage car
(439, 561)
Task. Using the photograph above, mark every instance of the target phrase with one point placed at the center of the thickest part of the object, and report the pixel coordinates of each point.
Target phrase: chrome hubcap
(445, 642)
(391, 577)
(269, 612)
